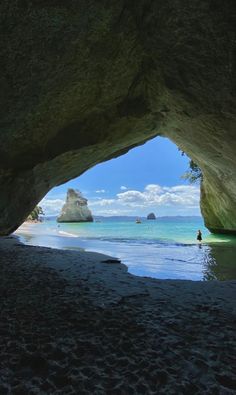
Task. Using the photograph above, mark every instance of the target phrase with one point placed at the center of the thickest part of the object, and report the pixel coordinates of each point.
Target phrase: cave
(83, 82)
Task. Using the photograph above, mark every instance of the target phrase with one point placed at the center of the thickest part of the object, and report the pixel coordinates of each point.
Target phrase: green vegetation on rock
(34, 215)
(194, 174)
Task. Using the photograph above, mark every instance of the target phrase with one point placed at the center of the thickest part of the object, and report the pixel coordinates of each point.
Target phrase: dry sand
(74, 324)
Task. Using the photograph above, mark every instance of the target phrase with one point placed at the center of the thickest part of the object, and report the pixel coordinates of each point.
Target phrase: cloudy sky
(148, 178)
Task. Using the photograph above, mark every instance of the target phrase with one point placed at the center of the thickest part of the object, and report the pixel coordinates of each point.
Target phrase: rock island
(75, 209)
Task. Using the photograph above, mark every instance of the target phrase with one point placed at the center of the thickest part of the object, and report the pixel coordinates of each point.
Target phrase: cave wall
(85, 81)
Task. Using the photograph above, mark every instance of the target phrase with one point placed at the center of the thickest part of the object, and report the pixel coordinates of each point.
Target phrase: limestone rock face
(151, 216)
(75, 209)
(85, 81)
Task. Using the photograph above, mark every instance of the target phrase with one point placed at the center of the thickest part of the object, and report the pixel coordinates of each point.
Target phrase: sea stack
(75, 209)
(151, 216)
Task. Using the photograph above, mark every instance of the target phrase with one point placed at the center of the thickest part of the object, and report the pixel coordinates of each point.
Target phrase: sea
(165, 248)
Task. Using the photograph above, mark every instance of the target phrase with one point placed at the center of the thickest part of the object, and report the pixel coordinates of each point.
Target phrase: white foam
(67, 234)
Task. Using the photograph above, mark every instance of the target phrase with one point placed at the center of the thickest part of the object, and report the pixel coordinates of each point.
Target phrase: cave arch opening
(147, 178)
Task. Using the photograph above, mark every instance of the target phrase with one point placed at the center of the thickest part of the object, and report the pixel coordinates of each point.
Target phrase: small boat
(138, 221)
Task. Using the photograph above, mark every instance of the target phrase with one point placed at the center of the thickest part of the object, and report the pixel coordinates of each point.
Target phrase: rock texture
(151, 216)
(83, 82)
(75, 209)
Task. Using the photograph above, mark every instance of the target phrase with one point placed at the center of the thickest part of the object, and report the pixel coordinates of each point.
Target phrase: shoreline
(72, 323)
(224, 239)
(153, 258)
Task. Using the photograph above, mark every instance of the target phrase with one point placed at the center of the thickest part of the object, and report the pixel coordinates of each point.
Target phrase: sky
(146, 179)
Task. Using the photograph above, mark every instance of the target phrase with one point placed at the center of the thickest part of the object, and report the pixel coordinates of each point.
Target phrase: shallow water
(165, 248)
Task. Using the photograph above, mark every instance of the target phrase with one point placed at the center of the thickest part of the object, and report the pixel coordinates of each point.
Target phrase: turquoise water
(162, 248)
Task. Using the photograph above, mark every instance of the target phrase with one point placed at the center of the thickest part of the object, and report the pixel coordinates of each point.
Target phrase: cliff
(75, 209)
(83, 82)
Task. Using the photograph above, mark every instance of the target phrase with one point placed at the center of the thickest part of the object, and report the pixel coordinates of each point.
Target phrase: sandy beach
(79, 323)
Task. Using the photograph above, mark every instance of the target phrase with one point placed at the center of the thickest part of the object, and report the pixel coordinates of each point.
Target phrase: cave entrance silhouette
(150, 175)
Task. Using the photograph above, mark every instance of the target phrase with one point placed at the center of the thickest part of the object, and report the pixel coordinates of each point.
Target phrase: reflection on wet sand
(204, 261)
(219, 262)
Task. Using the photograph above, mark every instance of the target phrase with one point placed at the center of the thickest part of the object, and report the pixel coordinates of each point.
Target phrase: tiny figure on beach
(199, 235)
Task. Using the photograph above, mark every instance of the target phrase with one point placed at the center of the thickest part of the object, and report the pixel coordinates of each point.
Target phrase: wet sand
(79, 323)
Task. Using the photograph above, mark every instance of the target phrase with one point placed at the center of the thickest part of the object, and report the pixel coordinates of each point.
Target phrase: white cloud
(100, 191)
(131, 197)
(163, 200)
(118, 211)
(153, 189)
(101, 202)
(155, 195)
(123, 188)
(51, 206)
(178, 199)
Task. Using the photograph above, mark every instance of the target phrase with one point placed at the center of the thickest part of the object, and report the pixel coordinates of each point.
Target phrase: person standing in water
(199, 235)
